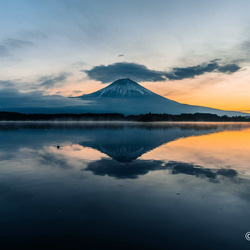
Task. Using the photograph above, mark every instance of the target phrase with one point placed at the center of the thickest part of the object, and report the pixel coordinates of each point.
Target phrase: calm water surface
(125, 186)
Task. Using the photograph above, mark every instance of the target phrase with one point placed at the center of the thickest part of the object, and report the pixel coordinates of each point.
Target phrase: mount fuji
(128, 97)
(122, 88)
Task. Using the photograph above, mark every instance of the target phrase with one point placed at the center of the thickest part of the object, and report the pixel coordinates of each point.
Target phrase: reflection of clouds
(6, 156)
(68, 157)
(138, 167)
(123, 152)
(118, 170)
(190, 169)
(230, 173)
(212, 175)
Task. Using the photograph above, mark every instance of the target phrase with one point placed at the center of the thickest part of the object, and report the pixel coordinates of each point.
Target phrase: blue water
(123, 186)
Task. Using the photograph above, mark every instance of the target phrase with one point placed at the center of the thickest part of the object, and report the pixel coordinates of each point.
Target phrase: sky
(191, 51)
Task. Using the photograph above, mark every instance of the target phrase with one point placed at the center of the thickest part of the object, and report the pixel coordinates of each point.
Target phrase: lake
(125, 185)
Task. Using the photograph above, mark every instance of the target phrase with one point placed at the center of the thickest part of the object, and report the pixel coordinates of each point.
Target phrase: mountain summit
(122, 88)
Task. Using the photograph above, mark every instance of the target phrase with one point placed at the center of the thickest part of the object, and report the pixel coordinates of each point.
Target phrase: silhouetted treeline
(14, 116)
(187, 117)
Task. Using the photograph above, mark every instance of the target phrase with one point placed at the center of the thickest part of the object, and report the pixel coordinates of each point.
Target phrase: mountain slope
(128, 97)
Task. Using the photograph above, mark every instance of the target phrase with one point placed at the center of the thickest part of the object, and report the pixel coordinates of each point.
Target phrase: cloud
(12, 98)
(191, 72)
(6, 84)
(17, 43)
(44, 82)
(49, 82)
(114, 71)
(139, 72)
(9, 44)
(4, 51)
(229, 68)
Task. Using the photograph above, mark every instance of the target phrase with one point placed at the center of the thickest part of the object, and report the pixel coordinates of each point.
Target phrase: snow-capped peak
(122, 88)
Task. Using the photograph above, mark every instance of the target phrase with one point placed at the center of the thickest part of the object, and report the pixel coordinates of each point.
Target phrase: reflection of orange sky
(218, 150)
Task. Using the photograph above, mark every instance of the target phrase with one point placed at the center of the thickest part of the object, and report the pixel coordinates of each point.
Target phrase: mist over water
(125, 185)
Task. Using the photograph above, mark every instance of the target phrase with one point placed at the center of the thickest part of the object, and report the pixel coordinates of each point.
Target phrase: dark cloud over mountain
(139, 72)
(115, 71)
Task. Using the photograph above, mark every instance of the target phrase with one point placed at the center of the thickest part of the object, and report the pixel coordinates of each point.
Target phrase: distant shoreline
(116, 117)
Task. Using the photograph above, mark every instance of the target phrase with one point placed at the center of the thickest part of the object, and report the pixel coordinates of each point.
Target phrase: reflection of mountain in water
(128, 144)
(123, 153)
(125, 145)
